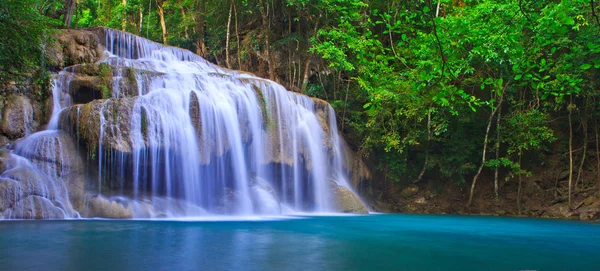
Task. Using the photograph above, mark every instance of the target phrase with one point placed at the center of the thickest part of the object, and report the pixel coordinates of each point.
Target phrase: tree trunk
(124, 19)
(519, 188)
(141, 20)
(308, 58)
(227, 37)
(237, 35)
(290, 77)
(427, 148)
(70, 7)
(570, 149)
(485, 143)
(200, 45)
(496, 169)
(186, 33)
(597, 155)
(584, 154)
(163, 24)
(264, 12)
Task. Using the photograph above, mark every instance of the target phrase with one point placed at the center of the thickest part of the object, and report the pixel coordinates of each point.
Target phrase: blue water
(374, 242)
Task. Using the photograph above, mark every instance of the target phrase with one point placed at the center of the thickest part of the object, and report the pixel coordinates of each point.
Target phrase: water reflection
(321, 243)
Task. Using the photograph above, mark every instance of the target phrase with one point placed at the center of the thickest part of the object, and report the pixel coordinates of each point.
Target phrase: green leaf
(518, 76)
(585, 66)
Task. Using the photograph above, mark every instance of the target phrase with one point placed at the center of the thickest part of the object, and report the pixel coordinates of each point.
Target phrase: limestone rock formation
(345, 201)
(35, 207)
(55, 154)
(112, 115)
(78, 47)
(105, 208)
(264, 198)
(25, 192)
(107, 112)
(18, 117)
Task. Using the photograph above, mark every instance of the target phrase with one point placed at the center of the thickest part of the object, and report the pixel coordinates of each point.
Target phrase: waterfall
(174, 135)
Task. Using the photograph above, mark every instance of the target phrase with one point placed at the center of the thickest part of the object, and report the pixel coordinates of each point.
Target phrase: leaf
(518, 76)
(585, 66)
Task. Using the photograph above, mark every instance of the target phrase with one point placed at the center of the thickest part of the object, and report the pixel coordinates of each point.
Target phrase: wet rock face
(264, 198)
(105, 208)
(91, 82)
(86, 121)
(18, 117)
(55, 154)
(35, 207)
(26, 193)
(75, 47)
(356, 167)
(345, 201)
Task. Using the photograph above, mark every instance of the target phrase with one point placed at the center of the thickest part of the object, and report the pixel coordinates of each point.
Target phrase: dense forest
(460, 92)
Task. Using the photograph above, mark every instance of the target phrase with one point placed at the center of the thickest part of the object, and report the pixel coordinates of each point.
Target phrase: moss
(85, 129)
(144, 122)
(105, 74)
(115, 110)
(106, 92)
(263, 106)
(131, 76)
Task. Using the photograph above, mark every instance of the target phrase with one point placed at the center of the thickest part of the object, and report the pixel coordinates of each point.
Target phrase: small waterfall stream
(175, 135)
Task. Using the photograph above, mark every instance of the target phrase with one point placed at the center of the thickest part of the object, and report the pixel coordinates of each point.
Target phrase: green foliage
(413, 85)
(23, 32)
(525, 131)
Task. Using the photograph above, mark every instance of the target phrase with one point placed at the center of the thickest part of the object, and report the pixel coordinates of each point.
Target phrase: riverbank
(542, 197)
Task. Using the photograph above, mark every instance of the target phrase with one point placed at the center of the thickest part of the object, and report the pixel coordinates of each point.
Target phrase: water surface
(373, 242)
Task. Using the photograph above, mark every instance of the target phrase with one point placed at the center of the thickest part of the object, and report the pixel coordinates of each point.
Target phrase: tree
(70, 7)
(23, 32)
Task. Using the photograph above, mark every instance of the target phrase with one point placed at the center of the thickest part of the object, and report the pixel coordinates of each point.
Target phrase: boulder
(420, 200)
(104, 208)
(57, 156)
(409, 191)
(34, 207)
(18, 117)
(4, 141)
(78, 47)
(8, 160)
(25, 180)
(23, 188)
(264, 197)
(345, 201)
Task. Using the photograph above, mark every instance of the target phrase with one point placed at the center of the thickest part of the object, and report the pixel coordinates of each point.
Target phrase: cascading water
(175, 135)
